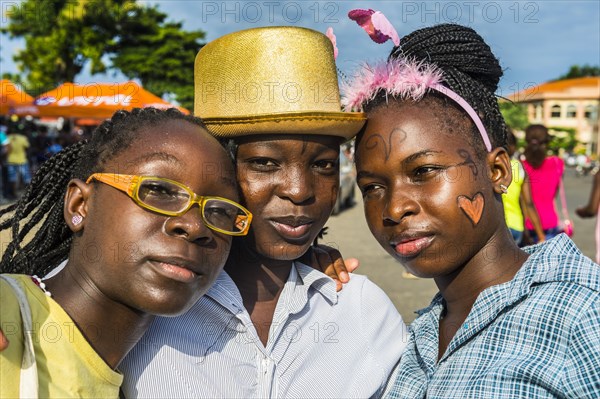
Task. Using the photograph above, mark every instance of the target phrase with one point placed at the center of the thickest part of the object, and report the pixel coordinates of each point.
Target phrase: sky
(535, 41)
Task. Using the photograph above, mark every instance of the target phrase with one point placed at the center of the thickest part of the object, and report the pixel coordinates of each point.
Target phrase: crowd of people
(173, 264)
(25, 145)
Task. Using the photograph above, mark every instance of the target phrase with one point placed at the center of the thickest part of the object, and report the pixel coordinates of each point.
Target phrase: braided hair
(40, 209)
(469, 68)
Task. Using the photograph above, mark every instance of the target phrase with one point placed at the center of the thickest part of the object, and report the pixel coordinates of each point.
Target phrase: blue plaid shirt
(537, 336)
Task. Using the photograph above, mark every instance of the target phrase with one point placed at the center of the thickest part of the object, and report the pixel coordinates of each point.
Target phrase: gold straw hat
(271, 80)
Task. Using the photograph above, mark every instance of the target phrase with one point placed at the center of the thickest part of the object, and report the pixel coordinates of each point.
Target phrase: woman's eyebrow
(363, 174)
(420, 154)
(165, 157)
(156, 156)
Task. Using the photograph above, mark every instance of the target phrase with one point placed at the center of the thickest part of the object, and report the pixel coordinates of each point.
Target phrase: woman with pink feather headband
(432, 167)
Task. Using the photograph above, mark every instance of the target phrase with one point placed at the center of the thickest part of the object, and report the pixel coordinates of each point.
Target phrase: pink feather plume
(399, 78)
(376, 25)
(333, 39)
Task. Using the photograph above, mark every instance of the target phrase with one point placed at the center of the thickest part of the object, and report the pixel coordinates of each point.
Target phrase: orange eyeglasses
(171, 198)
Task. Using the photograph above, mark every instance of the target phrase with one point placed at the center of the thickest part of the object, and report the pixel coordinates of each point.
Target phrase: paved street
(349, 232)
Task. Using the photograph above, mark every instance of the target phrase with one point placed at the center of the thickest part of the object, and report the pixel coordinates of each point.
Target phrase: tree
(562, 137)
(160, 54)
(61, 36)
(577, 71)
(514, 114)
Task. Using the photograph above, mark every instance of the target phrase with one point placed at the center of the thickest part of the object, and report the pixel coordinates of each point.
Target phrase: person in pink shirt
(545, 173)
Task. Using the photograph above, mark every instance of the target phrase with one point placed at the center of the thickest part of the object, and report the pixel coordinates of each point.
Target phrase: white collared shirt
(321, 344)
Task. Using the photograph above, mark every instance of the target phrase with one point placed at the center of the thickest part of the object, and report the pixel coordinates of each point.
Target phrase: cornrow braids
(40, 209)
(469, 68)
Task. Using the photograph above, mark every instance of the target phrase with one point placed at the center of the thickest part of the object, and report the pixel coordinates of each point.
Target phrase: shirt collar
(303, 277)
(552, 261)
(225, 292)
(541, 267)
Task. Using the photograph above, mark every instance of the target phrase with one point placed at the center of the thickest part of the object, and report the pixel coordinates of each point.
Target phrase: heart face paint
(473, 208)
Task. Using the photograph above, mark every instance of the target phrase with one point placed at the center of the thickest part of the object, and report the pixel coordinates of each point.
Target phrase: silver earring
(504, 189)
(76, 219)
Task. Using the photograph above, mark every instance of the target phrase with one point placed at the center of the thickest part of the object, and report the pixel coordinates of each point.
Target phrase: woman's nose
(190, 226)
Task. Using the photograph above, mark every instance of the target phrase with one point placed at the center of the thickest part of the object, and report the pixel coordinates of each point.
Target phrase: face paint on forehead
(373, 141)
(472, 207)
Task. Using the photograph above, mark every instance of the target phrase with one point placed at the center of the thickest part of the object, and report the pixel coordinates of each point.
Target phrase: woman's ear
(76, 204)
(500, 169)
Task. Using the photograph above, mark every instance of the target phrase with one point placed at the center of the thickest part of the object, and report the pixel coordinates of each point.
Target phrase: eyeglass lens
(170, 197)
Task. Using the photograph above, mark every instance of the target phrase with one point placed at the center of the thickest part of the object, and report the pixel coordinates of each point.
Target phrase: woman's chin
(284, 251)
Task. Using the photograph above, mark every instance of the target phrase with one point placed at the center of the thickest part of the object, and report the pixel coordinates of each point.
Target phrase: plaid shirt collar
(537, 269)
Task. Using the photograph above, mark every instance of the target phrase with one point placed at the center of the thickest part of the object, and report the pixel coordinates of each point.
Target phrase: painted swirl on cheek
(373, 141)
(472, 207)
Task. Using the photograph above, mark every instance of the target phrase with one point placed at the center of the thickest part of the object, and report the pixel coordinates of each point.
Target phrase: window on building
(571, 111)
(538, 112)
(555, 111)
(590, 112)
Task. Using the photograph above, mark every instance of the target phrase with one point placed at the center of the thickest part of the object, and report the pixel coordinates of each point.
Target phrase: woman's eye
(422, 170)
(326, 164)
(158, 189)
(262, 163)
(155, 192)
(370, 188)
(215, 211)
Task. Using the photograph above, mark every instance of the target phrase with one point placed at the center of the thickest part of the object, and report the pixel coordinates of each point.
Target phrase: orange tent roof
(13, 100)
(97, 100)
(88, 122)
(558, 86)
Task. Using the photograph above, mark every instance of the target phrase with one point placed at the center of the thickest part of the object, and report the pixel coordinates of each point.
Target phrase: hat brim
(339, 124)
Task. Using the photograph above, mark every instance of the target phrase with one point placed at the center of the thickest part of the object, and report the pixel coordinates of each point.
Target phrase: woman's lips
(412, 246)
(287, 230)
(292, 228)
(174, 272)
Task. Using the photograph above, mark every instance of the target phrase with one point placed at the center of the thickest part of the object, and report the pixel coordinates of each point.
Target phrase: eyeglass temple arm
(120, 182)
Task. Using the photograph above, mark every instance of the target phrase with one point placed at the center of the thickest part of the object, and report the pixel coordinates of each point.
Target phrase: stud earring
(504, 189)
(76, 219)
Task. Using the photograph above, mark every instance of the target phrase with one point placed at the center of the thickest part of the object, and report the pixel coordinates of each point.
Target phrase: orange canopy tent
(13, 100)
(97, 100)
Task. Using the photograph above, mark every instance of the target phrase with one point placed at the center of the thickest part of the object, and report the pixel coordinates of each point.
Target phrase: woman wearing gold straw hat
(273, 325)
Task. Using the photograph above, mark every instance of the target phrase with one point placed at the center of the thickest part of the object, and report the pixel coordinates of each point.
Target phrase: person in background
(17, 161)
(39, 143)
(4, 186)
(517, 199)
(545, 174)
(53, 147)
(591, 209)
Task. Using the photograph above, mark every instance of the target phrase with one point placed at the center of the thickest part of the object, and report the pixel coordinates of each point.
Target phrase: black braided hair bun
(469, 68)
(458, 50)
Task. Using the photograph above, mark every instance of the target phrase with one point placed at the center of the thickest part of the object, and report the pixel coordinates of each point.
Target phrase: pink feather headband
(403, 79)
